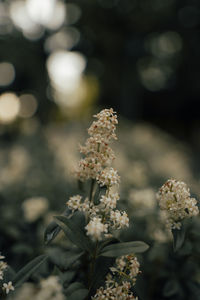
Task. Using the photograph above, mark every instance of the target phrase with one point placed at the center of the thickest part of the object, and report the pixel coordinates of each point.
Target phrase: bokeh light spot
(164, 45)
(28, 105)
(49, 13)
(22, 20)
(153, 75)
(64, 39)
(7, 73)
(9, 107)
(65, 69)
(73, 13)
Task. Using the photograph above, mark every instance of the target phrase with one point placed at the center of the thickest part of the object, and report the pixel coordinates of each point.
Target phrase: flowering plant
(96, 264)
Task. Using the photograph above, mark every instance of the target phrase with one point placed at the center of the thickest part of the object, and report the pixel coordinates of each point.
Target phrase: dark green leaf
(63, 259)
(73, 287)
(53, 229)
(8, 274)
(75, 234)
(80, 294)
(120, 249)
(28, 270)
(67, 277)
(101, 270)
(51, 232)
(171, 288)
(178, 238)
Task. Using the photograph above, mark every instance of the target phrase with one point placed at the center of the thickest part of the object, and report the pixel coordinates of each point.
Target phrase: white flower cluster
(126, 270)
(127, 266)
(103, 217)
(174, 198)
(7, 287)
(97, 152)
(47, 289)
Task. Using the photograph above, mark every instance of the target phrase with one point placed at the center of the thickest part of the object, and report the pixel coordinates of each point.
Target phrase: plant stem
(92, 264)
(92, 190)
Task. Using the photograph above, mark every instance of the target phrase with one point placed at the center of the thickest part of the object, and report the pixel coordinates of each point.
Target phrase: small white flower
(110, 201)
(3, 265)
(108, 177)
(119, 219)
(8, 287)
(95, 228)
(74, 202)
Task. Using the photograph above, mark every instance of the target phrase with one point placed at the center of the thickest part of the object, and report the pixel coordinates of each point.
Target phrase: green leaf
(67, 277)
(178, 238)
(80, 294)
(51, 232)
(126, 248)
(63, 259)
(75, 234)
(8, 274)
(28, 270)
(171, 288)
(53, 229)
(73, 287)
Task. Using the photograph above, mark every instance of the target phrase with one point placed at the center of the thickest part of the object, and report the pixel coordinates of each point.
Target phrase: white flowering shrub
(90, 249)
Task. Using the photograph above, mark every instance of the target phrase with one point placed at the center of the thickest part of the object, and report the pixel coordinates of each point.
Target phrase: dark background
(143, 54)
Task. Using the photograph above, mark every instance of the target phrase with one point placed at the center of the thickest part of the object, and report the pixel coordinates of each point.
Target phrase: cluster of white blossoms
(119, 283)
(7, 287)
(49, 288)
(174, 198)
(103, 216)
(97, 152)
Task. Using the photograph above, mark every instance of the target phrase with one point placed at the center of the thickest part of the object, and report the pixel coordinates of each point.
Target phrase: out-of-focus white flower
(96, 228)
(8, 287)
(51, 283)
(34, 208)
(143, 199)
(48, 289)
(174, 198)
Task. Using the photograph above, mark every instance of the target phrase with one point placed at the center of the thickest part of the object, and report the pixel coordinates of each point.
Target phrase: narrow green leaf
(126, 248)
(53, 229)
(51, 232)
(80, 294)
(75, 234)
(178, 238)
(28, 270)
